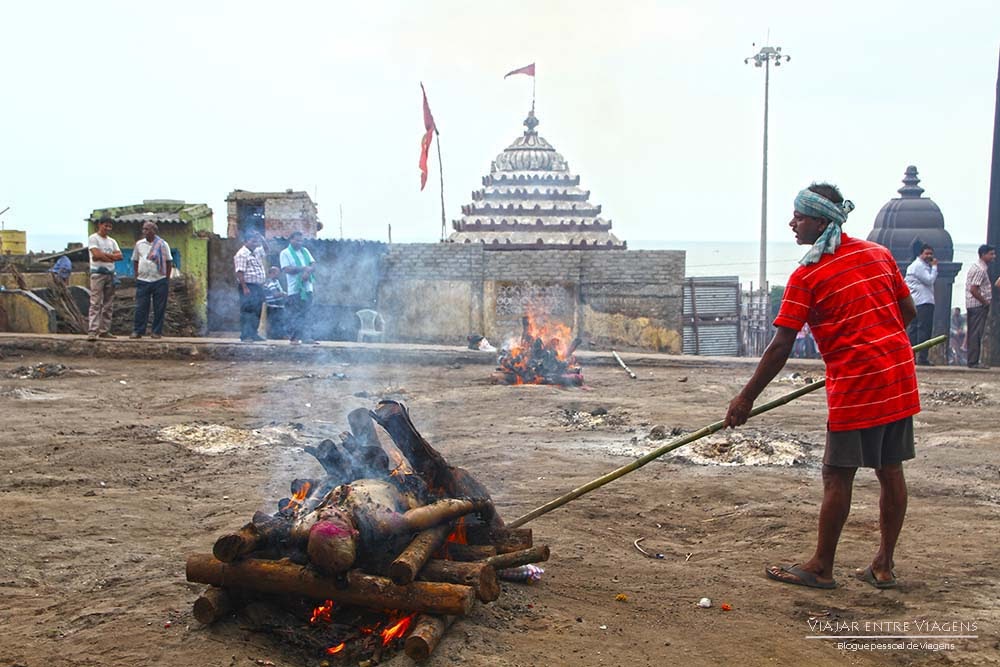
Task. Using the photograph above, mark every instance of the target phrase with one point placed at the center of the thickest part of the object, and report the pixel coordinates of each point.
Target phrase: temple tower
(906, 223)
(530, 199)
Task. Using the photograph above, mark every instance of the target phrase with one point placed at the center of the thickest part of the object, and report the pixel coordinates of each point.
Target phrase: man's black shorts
(870, 447)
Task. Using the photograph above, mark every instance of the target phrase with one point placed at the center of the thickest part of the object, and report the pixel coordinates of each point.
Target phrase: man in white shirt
(151, 264)
(248, 263)
(298, 264)
(104, 252)
(921, 275)
(978, 296)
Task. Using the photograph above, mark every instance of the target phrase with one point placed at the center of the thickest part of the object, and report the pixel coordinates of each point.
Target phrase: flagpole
(533, 78)
(441, 172)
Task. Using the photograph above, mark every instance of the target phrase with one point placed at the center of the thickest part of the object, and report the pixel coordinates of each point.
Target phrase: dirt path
(99, 510)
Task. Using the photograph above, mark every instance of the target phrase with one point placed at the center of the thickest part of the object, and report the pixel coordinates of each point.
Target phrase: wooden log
(622, 363)
(234, 545)
(363, 427)
(363, 590)
(465, 552)
(420, 518)
(427, 631)
(264, 531)
(479, 575)
(212, 605)
(507, 541)
(428, 462)
(405, 567)
(513, 559)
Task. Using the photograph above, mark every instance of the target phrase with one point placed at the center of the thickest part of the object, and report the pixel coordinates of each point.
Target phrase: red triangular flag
(425, 142)
(527, 69)
(428, 117)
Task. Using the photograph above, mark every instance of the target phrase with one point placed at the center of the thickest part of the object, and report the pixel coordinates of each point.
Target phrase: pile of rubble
(40, 371)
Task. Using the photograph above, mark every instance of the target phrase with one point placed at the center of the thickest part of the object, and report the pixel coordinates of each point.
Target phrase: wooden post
(266, 576)
(481, 576)
(213, 604)
(404, 569)
(230, 547)
(513, 559)
(427, 632)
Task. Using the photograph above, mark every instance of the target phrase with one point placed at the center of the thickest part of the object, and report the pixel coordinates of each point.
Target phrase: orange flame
(459, 535)
(334, 650)
(397, 630)
(295, 502)
(322, 613)
(552, 337)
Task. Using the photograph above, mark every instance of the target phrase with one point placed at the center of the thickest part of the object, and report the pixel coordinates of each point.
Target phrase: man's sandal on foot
(868, 576)
(801, 577)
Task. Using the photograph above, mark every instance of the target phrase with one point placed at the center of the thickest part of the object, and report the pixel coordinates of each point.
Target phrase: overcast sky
(109, 103)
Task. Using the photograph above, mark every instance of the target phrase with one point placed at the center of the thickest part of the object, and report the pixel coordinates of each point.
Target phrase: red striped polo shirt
(851, 301)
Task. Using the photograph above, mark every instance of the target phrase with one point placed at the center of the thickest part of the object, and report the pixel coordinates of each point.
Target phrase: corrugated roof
(158, 218)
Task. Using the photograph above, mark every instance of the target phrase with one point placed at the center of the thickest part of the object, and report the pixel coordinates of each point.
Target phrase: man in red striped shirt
(854, 299)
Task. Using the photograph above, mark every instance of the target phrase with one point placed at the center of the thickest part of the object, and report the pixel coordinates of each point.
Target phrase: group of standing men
(288, 309)
(921, 275)
(152, 266)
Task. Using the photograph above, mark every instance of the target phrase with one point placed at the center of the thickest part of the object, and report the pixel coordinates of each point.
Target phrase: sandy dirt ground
(110, 475)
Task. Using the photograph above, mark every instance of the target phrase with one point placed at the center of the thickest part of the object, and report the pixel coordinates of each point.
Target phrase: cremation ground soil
(102, 502)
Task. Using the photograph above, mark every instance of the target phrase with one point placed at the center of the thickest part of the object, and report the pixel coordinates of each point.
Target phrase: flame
(397, 629)
(459, 535)
(334, 650)
(322, 613)
(540, 337)
(295, 502)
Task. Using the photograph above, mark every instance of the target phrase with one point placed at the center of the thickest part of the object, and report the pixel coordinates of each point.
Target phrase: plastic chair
(372, 325)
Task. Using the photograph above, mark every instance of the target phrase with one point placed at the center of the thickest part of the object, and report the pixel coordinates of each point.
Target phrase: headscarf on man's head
(809, 203)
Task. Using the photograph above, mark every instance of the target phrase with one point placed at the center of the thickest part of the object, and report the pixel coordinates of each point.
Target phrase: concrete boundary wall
(440, 292)
(21, 311)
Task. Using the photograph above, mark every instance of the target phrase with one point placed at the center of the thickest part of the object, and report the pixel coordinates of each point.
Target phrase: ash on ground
(215, 439)
(746, 448)
(26, 394)
(593, 420)
(957, 397)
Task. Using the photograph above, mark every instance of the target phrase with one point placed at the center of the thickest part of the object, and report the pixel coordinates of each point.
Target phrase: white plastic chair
(372, 325)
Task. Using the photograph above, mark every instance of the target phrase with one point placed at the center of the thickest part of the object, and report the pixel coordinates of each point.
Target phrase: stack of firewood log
(391, 527)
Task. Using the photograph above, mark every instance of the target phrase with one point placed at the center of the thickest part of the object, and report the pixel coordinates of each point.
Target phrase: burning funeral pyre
(386, 550)
(542, 355)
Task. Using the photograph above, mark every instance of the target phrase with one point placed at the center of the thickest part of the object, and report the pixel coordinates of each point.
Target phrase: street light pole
(764, 58)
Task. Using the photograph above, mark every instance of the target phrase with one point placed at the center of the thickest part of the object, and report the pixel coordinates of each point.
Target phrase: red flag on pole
(527, 69)
(425, 144)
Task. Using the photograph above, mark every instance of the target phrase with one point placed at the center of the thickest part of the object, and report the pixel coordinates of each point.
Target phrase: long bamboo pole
(680, 442)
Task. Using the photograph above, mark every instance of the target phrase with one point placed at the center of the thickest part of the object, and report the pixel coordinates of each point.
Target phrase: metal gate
(711, 316)
(755, 318)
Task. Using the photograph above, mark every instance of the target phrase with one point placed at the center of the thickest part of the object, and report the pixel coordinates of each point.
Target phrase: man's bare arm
(772, 361)
(908, 310)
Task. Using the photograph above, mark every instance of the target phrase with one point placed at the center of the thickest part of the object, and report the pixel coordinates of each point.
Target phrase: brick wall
(440, 292)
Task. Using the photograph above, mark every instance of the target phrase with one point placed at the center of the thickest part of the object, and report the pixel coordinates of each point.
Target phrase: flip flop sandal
(807, 579)
(869, 577)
